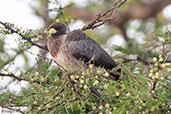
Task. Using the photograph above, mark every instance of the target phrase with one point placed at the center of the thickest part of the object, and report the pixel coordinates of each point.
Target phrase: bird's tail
(115, 75)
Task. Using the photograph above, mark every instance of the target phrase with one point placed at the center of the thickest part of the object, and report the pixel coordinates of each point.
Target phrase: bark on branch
(135, 11)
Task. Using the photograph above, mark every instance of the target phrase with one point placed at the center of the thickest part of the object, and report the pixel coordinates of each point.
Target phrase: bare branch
(11, 75)
(99, 18)
(11, 109)
(25, 38)
(134, 11)
(20, 79)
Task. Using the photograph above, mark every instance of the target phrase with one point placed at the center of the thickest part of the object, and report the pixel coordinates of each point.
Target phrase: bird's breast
(67, 61)
(54, 45)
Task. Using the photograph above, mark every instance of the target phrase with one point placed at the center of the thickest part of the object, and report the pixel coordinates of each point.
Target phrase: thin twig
(10, 108)
(61, 90)
(12, 76)
(61, 103)
(73, 85)
(100, 18)
(25, 38)
(20, 79)
(134, 77)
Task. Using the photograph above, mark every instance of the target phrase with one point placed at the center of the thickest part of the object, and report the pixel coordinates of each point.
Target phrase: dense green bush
(143, 88)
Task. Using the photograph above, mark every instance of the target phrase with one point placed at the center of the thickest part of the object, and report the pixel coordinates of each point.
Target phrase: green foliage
(1, 45)
(141, 89)
(132, 47)
(49, 93)
(166, 34)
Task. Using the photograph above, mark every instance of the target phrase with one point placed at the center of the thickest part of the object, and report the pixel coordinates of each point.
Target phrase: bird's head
(58, 28)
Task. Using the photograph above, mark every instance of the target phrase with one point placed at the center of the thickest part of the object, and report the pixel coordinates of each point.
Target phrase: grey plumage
(85, 48)
(68, 48)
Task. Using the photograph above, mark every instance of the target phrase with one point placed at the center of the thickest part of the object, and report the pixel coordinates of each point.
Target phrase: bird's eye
(52, 31)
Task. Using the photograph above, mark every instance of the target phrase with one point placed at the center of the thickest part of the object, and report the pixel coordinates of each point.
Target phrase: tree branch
(134, 77)
(135, 11)
(100, 18)
(25, 38)
(11, 75)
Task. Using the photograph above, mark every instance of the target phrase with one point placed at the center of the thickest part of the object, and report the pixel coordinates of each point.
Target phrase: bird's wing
(83, 47)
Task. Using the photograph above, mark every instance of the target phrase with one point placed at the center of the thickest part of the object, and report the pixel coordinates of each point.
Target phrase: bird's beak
(52, 31)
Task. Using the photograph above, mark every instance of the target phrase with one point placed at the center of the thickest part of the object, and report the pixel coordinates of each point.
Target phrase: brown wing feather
(85, 48)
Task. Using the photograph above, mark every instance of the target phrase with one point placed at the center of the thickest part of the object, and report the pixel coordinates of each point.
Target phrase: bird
(67, 48)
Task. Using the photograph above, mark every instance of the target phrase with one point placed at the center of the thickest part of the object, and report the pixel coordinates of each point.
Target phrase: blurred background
(136, 20)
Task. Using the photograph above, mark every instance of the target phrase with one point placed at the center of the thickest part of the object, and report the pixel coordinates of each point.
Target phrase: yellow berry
(59, 97)
(107, 105)
(100, 113)
(155, 59)
(35, 102)
(93, 107)
(153, 77)
(31, 79)
(117, 93)
(105, 86)
(164, 65)
(85, 86)
(87, 80)
(161, 78)
(128, 94)
(114, 108)
(72, 77)
(6, 69)
(96, 82)
(90, 66)
(83, 73)
(146, 110)
(100, 107)
(30, 107)
(155, 69)
(157, 74)
(77, 76)
(160, 56)
(98, 71)
(81, 81)
(168, 64)
(48, 105)
(75, 80)
(152, 109)
(169, 69)
(72, 20)
(57, 20)
(39, 108)
(169, 26)
(161, 60)
(36, 73)
(151, 71)
(106, 74)
(82, 77)
(45, 31)
(96, 77)
(156, 64)
(151, 74)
